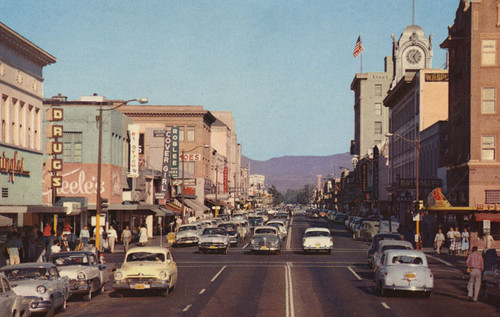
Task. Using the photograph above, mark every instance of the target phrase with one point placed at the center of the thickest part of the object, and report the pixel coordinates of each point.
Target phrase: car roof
(384, 243)
(317, 229)
(391, 253)
(148, 250)
(45, 265)
(265, 227)
(73, 252)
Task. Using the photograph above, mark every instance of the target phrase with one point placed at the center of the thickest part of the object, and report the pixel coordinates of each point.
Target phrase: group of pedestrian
(458, 241)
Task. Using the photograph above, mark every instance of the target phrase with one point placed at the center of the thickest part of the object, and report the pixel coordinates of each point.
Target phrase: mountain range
(293, 172)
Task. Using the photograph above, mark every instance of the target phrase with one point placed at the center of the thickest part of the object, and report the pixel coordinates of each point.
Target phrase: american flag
(358, 48)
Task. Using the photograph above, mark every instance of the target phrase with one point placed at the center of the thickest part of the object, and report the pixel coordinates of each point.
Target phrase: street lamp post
(99, 166)
(182, 184)
(417, 185)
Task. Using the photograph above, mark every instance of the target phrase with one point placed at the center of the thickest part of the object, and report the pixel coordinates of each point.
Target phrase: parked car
(384, 226)
(404, 270)
(12, 304)
(255, 221)
(146, 268)
(187, 234)
(232, 231)
(356, 231)
(85, 274)
(280, 225)
(317, 239)
(368, 230)
(375, 241)
(340, 218)
(41, 283)
(385, 245)
(214, 239)
(265, 239)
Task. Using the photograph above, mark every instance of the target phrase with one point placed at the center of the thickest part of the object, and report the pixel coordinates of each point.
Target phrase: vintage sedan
(214, 239)
(41, 283)
(232, 231)
(404, 270)
(280, 225)
(265, 240)
(317, 239)
(385, 245)
(12, 304)
(146, 268)
(375, 241)
(188, 234)
(85, 274)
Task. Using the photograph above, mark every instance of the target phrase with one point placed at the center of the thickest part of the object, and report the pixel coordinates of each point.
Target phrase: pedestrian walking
(112, 238)
(450, 235)
(85, 235)
(475, 267)
(143, 235)
(458, 241)
(465, 242)
(14, 246)
(126, 238)
(439, 240)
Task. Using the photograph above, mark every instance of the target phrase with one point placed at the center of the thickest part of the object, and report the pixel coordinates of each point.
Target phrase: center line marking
(355, 274)
(187, 308)
(202, 291)
(217, 275)
(246, 245)
(385, 305)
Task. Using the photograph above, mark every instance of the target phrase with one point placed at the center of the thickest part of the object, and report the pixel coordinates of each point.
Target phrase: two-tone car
(281, 226)
(375, 241)
(385, 245)
(404, 270)
(12, 304)
(41, 283)
(146, 268)
(232, 232)
(265, 240)
(188, 234)
(317, 239)
(214, 239)
(86, 275)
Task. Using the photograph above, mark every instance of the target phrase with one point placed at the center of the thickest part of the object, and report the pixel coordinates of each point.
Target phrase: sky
(284, 68)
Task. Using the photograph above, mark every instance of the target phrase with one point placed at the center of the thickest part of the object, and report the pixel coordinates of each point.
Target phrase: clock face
(413, 56)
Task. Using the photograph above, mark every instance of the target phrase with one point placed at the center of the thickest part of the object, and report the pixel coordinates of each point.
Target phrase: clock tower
(412, 52)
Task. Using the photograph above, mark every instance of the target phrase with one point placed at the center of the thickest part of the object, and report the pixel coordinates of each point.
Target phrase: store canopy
(32, 209)
(494, 217)
(163, 212)
(174, 208)
(214, 202)
(193, 204)
(464, 210)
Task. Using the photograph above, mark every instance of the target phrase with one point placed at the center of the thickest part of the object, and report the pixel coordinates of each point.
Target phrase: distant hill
(293, 172)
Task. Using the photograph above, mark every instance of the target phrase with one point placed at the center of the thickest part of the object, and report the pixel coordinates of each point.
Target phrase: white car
(146, 268)
(317, 239)
(385, 245)
(187, 234)
(86, 275)
(265, 239)
(12, 304)
(404, 270)
(281, 226)
(214, 239)
(41, 283)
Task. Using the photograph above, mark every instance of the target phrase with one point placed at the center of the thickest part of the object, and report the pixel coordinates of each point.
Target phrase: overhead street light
(205, 146)
(416, 205)
(99, 164)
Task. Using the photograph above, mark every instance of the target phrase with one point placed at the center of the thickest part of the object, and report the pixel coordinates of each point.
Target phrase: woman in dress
(465, 242)
(143, 239)
(458, 242)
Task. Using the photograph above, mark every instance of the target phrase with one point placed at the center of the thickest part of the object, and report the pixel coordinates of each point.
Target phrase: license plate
(140, 286)
(212, 247)
(264, 248)
(318, 245)
(409, 275)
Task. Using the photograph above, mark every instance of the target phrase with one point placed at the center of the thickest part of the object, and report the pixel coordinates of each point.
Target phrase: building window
(488, 148)
(72, 150)
(190, 134)
(378, 90)
(488, 100)
(378, 127)
(492, 196)
(181, 133)
(378, 109)
(188, 168)
(488, 52)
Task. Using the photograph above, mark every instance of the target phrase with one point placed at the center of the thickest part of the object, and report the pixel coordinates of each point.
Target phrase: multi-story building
(21, 130)
(474, 114)
(371, 119)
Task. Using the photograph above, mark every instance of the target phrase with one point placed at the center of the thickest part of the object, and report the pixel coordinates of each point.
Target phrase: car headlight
(163, 275)
(118, 275)
(41, 289)
(81, 276)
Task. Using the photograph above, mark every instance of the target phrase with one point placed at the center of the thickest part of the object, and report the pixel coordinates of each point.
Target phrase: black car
(376, 239)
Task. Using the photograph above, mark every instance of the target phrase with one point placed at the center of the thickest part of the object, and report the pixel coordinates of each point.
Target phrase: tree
(277, 196)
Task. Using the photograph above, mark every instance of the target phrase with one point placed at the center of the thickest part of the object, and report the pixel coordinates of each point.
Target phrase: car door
(172, 267)
(7, 297)
(58, 285)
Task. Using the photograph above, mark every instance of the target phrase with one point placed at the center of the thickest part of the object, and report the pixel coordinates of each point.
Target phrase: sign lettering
(436, 77)
(174, 155)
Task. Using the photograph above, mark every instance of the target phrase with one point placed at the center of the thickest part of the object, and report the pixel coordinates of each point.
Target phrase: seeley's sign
(12, 166)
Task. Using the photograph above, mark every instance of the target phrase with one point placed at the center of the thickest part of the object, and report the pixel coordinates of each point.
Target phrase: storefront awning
(174, 208)
(193, 204)
(32, 209)
(213, 202)
(163, 212)
(494, 217)
(464, 210)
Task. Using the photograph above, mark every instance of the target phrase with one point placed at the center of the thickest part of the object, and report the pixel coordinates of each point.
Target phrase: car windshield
(218, 231)
(275, 224)
(73, 259)
(229, 227)
(188, 228)
(407, 259)
(316, 234)
(256, 222)
(145, 256)
(265, 231)
(38, 273)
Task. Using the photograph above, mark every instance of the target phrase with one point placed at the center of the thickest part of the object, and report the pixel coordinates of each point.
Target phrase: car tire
(64, 305)
(51, 311)
(87, 297)
(427, 295)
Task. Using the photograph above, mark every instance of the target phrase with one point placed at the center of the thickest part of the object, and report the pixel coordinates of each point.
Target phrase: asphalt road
(289, 284)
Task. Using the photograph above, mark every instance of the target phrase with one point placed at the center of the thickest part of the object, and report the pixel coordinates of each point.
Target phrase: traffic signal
(104, 203)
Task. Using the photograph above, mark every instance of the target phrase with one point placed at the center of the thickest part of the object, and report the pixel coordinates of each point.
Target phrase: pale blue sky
(284, 68)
